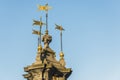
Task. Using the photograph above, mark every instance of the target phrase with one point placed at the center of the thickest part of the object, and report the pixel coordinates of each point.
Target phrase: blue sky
(91, 39)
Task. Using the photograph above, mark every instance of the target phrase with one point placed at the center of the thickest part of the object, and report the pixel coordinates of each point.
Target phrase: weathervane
(45, 8)
(61, 29)
(62, 61)
(40, 24)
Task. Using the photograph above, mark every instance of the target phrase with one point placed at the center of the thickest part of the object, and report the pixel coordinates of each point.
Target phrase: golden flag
(59, 27)
(36, 32)
(40, 23)
(44, 8)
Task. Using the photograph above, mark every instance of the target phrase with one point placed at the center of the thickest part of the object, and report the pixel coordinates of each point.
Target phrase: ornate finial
(62, 61)
(39, 51)
(61, 55)
(39, 48)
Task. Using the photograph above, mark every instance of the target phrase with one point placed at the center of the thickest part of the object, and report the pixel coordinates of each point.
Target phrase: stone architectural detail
(46, 67)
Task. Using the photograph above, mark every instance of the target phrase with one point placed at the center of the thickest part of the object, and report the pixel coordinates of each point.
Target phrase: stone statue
(46, 39)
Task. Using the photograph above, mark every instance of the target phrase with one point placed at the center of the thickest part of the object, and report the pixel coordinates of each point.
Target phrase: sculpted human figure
(46, 39)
